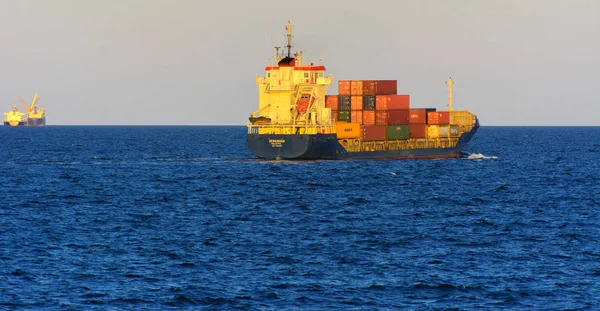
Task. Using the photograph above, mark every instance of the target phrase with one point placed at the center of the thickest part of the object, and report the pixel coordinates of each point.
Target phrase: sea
(185, 217)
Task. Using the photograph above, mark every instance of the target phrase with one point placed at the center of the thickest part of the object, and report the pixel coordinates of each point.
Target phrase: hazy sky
(192, 62)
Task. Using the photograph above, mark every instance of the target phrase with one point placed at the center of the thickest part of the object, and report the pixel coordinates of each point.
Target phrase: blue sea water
(160, 218)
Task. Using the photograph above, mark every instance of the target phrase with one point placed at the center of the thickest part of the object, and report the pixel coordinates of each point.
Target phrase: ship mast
(449, 82)
(288, 27)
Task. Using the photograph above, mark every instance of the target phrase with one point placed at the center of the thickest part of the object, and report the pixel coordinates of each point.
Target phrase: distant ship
(14, 117)
(35, 116)
(367, 119)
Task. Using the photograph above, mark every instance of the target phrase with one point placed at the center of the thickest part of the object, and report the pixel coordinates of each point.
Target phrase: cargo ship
(14, 117)
(35, 116)
(367, 119)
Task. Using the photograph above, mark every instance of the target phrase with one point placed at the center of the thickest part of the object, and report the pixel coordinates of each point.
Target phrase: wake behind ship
(367, 119)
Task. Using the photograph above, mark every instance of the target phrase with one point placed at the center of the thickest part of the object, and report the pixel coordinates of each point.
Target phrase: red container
(331, 101)
(381, 117)
(381, 102)
(398, 117)
(396, 102)
(438, 117)
(356, 102)
(368, 87)
(418, 116)
(386, 87)
(356, 116)
(369, 117)
(356, 87)
(344, 87)
(418, 130)
(373, 132)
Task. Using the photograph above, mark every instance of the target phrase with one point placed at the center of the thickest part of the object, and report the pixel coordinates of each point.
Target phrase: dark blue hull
(36, 122)
(327, 147)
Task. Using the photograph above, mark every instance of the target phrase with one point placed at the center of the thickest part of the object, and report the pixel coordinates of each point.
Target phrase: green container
(344, 115)
(395, 132)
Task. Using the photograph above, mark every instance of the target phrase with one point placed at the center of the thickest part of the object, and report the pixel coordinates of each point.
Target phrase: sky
(193, 62)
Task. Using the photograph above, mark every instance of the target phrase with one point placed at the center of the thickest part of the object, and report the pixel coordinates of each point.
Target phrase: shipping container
(368, 87)
(381, 117)
(395, 132)
(418, 130)
(356, 116)
(356, 87)
(454, 131)
(331, 101)
(427, 111)
(334, 115)
(438, 117)
(369, 102)
(344, 87)
(396, 102)
(344, 115)
(347, 130)
(433, 131)
(386, 87)
(373, 132)
(418, 116)
(446, 131)
(356, 102)
(396, 117)
(344, 102)
(381, 102)
(369, 117)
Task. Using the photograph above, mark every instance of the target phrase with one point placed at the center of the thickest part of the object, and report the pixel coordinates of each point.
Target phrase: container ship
(34, 117)
(367, 119)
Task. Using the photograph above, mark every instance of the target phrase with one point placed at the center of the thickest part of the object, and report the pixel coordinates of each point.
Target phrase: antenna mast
(449, 82)
(288, 27)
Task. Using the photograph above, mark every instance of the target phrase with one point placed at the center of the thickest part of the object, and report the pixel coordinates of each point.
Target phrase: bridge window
(306, 74)
(268, 74)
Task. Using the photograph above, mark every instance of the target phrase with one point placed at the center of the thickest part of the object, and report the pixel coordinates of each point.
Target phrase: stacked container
(382, 114)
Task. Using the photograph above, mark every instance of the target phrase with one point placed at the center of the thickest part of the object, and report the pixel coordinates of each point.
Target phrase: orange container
(331, 101)
(368, 87)
(356, 102)
(438, 117)
(369, 117)
(356, 116)
(348, 130)
(334, 115)
(381, 117)
(344, 87)
(396, 102)
(417, 116)
(381, 102)
(356, 87)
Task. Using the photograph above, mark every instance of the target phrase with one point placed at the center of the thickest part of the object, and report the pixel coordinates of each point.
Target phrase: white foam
(480, 156)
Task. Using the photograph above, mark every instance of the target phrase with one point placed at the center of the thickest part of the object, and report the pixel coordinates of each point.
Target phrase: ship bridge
(291, 94)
